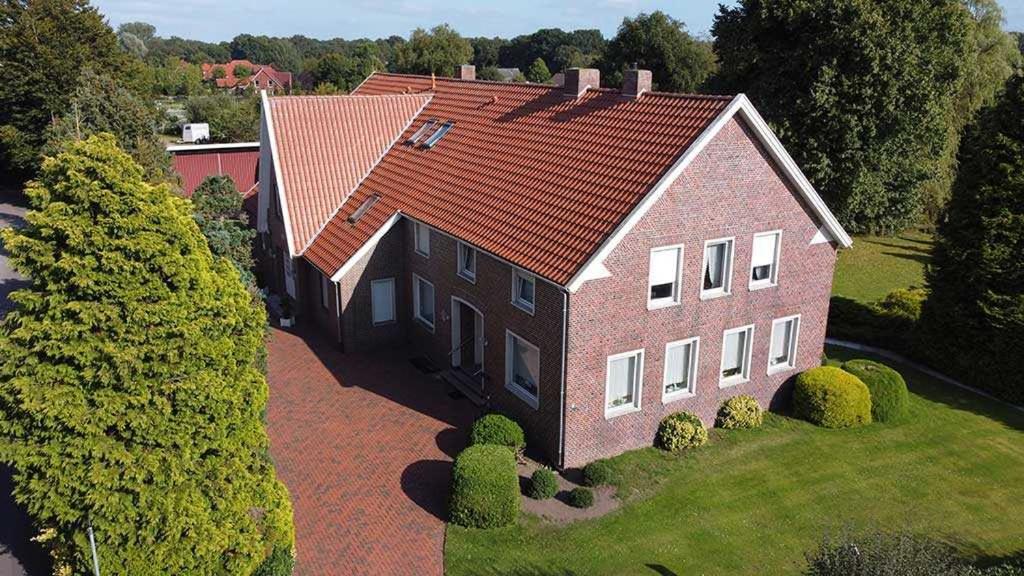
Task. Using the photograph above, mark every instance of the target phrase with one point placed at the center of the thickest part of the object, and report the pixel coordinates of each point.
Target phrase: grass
(755, 501)
(877, 265)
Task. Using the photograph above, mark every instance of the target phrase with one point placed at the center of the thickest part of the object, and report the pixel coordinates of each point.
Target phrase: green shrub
(499, 430)
(281, 562)
(889, 396)
(740, 412)
(882, 553)
(832, 398)
(543, 484)
(681, 430)
(581, 497)
(902, 304)
(597, 473)
(485, 487)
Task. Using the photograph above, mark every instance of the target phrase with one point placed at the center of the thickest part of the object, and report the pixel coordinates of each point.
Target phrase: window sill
(780, 368)
(610, 413)
(653, 305)
(425, 324)
(733, 381)
(467, 277)
(762, 285)
(523, 307)
(385, 323)
(532, 401)
(712, 294)
(676, 396)
(424, 254)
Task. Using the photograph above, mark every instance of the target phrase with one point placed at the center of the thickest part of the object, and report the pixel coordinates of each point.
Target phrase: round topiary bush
(499, 430)
(889, 396)
(680, 430)
(543, 484)
(832, 398)
(740, 412)
(485, 487)
(597, 473)
(581, 497)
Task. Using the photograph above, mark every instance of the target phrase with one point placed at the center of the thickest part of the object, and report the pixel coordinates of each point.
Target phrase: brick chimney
(577, 80)
(466, 72)
(636, 82)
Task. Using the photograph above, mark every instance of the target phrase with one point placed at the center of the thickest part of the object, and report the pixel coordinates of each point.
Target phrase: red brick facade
(730, 190)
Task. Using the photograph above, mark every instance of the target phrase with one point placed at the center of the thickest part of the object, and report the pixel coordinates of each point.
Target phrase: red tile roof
(326, 145)
(532, 176)
(195, 165)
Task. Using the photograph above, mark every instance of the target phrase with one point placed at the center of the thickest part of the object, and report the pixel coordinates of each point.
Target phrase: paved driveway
(364, 443)
(18, 555)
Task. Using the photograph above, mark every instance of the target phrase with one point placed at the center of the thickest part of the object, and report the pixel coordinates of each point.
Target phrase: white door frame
(478, 327)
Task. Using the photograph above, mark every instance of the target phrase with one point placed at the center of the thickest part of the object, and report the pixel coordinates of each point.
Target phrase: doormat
(424, 365)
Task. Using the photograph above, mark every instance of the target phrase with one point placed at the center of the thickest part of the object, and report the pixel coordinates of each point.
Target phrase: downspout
(337, 308)
(561, 401)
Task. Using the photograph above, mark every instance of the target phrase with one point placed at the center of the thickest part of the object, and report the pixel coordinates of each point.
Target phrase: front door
(467, 337)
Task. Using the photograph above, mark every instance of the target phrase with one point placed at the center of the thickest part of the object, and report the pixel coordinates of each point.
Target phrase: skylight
(419, 134)
(438, 134)
(363, 208)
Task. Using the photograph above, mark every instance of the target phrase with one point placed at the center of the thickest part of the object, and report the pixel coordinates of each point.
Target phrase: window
(423, 301)
(382, 300)
(522, 368)
(422, 238)
(664, 278)
(325, 291)
(717, 268)
(467, 262)
(782, 355)
(736, 355)
(523, 293)
(680, 369)
(764, 260)
(427, 126)
(624, 380)
(438, 134)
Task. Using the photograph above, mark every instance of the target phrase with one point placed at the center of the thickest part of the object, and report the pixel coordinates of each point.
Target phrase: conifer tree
(130, 389)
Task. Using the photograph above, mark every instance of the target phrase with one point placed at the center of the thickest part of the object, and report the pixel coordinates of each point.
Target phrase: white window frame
(677, 285)
(667, 397)
(393, 315)
(325, 291)
(416, 279)
(465, 274)
(527, 307)
(636, 406)
(794, 342)
(421, 250)
(730, 254)
(744, 375)
(532, 400)
(773, 278)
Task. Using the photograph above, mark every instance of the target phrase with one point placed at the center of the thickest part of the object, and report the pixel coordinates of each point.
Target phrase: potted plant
(287, 312)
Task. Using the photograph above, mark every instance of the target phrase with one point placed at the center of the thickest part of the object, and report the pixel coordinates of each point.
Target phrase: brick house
(261, 77)
(583, 259)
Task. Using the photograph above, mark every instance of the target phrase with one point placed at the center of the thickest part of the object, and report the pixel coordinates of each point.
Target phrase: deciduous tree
(656, 42)
(538, 72)
(231, 119)
(438, 51)
(130, 380)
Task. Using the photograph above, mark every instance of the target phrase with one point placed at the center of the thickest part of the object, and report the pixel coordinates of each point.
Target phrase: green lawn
(753, 502)
(878, 265)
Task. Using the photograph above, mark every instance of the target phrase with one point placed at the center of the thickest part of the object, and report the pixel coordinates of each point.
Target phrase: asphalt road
(19, 556)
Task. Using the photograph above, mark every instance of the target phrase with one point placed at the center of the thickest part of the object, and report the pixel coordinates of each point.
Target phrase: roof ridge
(346, 96)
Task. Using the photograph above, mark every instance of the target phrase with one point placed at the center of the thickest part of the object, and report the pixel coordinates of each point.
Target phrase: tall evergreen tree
(130, 387)
(858, 90)
(538, 72)
(217, 207)
(974, 315)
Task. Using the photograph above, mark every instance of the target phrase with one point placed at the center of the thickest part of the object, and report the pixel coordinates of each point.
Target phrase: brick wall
(731, 189)
(386, 260)
(492, 296)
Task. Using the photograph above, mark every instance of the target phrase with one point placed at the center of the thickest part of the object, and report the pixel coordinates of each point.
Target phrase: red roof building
(238, 161)
(584, 259)
(261, 77)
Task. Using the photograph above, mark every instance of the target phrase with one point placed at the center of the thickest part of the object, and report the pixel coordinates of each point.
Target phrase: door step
(471, 387)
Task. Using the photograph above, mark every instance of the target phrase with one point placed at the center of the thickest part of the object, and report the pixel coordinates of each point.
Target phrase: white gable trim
(366, 247)
(285, 214)
(594, 267)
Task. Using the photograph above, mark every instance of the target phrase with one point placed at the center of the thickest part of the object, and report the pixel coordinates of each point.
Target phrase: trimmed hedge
(740, 412)
(832, 398)
(581, 497)
(499, 430)
(889, 396)
(597, 473)
(680, 430)
(543, 484)
(485, 487)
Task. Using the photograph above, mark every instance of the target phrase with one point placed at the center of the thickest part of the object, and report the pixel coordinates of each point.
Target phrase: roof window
(422, 132)
(438, 134)
(363, 209)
